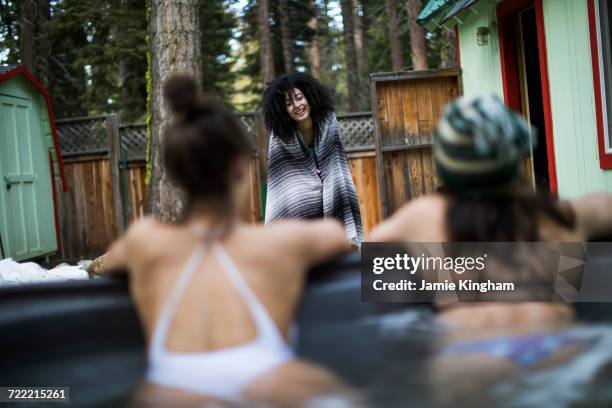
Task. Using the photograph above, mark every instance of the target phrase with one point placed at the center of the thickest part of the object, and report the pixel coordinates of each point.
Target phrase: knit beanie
(480, 143)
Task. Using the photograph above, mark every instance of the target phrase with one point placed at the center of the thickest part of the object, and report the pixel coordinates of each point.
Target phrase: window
(600, 28)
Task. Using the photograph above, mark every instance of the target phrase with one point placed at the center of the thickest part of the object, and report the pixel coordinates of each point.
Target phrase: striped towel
(305, 185)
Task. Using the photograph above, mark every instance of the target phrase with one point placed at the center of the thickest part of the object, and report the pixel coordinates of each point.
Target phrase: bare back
(424, 220)
(212, 315)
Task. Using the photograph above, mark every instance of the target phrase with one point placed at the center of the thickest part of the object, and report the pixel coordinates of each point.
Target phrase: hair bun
(182, 93)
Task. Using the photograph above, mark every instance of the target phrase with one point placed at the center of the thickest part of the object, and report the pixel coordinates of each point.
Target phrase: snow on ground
(15, 273)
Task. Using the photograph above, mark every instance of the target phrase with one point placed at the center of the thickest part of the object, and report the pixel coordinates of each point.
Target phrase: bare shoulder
(144, 226)
(423, 211)
(148, 236)
(132, 245)
(145, 229)
(427, 205)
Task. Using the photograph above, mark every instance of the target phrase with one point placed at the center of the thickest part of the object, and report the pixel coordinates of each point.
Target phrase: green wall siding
(570, 73)
(571, 87)
(481, 64)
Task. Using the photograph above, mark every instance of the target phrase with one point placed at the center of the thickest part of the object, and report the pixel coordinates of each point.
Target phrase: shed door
(25, 197)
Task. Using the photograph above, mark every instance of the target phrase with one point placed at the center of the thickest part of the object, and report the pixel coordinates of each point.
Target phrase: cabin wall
(570, 73)
(571, 87)
(481, 66)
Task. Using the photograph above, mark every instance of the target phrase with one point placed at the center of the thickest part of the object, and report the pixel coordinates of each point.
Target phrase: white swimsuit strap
(165, 319)
(266, 327)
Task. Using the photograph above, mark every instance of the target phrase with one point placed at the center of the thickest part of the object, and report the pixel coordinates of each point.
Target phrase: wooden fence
(100, 201)
(91, 207)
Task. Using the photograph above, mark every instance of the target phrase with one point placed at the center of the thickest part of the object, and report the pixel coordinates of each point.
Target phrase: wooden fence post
(380, 169)
(114, 156)
(261, 138)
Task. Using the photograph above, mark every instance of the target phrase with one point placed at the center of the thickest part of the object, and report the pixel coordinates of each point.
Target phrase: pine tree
(265, 41)
(286, 38)
(314, 54)
(418, 44)
(352, 70)
(9, 32)
(397, 57)
(216, 31)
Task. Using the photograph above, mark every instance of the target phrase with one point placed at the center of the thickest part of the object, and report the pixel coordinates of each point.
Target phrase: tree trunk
(351, 59)
(397, 56)
(32, 17)
(265, 41)
(283, 10)
(366, 20)
(358, 38)
(449, 57)
(175, 47)
(27, 35)
(418, 44)
(314, 51)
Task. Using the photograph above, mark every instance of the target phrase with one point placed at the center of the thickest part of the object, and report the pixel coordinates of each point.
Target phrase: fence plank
(112, 128)
(365, 178)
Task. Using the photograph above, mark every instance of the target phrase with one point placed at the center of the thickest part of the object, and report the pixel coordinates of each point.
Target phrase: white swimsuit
(221, 373)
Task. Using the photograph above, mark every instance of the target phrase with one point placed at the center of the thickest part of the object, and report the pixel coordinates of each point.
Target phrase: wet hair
(511, 214)
(277, 119)
(201, 145)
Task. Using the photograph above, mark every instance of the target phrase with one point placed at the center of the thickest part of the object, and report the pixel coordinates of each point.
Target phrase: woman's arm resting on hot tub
(312, 242)
(593, 215)
(324, 239)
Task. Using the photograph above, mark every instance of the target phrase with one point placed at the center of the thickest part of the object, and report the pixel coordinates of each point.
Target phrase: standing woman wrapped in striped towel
(308, 172)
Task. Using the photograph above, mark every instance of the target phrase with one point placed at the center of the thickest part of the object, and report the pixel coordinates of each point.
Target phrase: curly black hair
(276, 117)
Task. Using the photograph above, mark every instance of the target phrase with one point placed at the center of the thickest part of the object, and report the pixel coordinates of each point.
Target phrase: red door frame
(605, 159)
(506, 11)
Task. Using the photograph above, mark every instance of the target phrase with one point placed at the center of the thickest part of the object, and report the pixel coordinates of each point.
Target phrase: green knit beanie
(480, 143)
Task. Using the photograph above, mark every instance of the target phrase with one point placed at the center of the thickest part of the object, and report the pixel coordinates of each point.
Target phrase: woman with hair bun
(308, 172)
(217, 296)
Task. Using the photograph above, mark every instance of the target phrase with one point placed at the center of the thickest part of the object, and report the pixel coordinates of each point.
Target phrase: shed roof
(432, 8)
(458, 10)
(440, 12)
(10, 71)
(433, 12)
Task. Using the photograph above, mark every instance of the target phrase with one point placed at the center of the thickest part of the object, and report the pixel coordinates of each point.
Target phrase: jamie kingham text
(412, 264)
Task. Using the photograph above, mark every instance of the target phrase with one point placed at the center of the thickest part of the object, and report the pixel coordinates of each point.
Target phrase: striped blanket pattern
(296, 190)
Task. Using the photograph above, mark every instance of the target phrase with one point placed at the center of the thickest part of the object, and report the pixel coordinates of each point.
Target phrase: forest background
(93, 55)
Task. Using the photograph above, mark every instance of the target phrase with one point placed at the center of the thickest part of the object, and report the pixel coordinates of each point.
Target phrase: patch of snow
(15, 273)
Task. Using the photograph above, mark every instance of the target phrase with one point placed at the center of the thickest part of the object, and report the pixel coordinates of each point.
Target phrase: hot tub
(86, 335)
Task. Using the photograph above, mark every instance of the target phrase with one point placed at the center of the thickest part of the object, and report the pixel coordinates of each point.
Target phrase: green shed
(551, 60)
(30, 167)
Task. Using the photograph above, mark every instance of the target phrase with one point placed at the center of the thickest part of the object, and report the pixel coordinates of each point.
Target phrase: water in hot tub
(388, 357)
